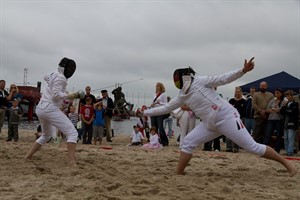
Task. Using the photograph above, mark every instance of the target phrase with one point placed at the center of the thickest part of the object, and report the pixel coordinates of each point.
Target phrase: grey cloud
(118, 42)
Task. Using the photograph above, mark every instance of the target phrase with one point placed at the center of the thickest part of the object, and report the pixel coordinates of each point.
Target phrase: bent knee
(187, 147)
(72, 137)
(256, 148)
(43, 139)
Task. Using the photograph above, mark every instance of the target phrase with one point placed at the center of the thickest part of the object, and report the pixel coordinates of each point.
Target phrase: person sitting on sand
(154, 140)
(136, 136)
(218, 116)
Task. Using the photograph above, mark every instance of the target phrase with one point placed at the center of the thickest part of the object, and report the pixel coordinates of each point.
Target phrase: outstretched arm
(222, 79)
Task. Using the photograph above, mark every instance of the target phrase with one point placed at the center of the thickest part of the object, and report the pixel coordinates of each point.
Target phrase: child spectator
(99, 123)
(136, 137)
(140, 121)
(87, 116)
(74, 118)
(15, 114)
(146, 124)
(154, 140)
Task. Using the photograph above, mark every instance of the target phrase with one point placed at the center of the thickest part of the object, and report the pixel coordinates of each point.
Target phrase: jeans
(249, 124)
(277, 126)
(168, 121)
(289, 139)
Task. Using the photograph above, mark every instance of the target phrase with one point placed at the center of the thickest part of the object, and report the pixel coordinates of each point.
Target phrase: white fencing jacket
(201, 97)
(55, 90)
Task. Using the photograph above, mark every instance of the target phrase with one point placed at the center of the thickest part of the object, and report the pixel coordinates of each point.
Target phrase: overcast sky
(139, 43)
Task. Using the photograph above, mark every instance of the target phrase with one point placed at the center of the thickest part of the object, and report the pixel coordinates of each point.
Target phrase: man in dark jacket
(108, 105)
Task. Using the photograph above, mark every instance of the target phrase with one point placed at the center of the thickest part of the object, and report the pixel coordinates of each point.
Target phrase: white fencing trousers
(50, 115)
(187, 124)
(228, 123)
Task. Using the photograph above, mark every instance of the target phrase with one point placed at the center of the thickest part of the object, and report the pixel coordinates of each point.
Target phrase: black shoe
(108, 140)
(295, 151)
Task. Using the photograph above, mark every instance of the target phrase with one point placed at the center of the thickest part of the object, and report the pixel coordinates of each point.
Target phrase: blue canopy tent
(281, 80)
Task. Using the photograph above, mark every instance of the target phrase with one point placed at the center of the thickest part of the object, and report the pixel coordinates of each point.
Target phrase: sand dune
(131, 173)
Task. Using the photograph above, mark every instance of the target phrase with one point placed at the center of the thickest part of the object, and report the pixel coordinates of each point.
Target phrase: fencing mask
(182, 76)
(69, 67)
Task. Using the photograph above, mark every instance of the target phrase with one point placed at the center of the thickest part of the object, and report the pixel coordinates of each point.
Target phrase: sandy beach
(131, 173)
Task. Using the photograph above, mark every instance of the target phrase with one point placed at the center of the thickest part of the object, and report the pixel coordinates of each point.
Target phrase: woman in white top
(160, 99)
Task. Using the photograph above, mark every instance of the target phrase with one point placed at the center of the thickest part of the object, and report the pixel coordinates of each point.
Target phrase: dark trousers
(259, 129)
(231, 146)
(87, 133)
(274, 126)
(213, 145)
(158, 122)
(13, 132)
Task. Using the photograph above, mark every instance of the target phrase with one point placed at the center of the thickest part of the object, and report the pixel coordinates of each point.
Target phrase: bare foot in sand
(292, 170)
(73, 164)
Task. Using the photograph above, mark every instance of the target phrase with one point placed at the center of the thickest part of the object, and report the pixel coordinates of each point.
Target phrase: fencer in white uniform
(217, 115)
(49, 113)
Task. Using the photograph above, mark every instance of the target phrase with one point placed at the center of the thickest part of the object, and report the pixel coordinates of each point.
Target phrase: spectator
(186, 120)
(15, 113)
(99, 123)
(4, 97)
(88, 95)
(239, 103)
(87, 117)
(169, 122)
(74, 118)
(146, 124)
(14, 92)
(108, 105)
(297, 136)
(249, 112)
(275, 120)
(160, 99)
(260, 102)
(136, 137)
(154, 140)
(291, 112)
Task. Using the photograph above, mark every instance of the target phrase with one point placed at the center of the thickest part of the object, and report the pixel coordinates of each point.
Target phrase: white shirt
(55, 91)
(161, 100)
(136, 137)
(154, 139)
(104, 102)
(202, 99)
